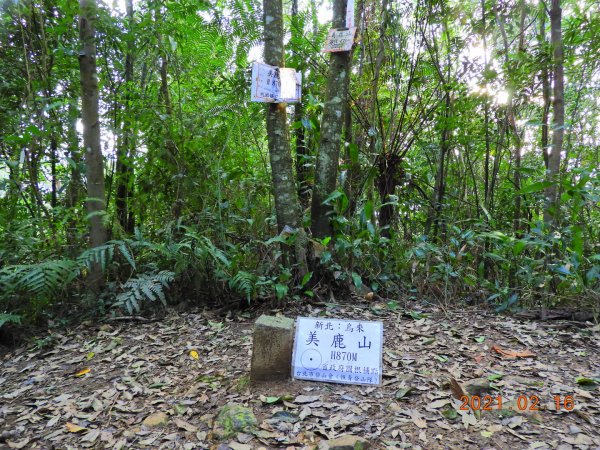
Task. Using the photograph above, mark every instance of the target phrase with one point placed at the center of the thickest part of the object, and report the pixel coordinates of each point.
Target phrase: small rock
(574, 429)
(156, 420)
(234, 419)
(347, 442)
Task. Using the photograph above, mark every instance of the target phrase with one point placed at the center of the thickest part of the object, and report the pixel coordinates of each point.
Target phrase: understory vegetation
(456, 178)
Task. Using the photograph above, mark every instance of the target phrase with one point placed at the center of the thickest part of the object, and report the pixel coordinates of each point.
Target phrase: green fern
(244, 283)
(104, 254)
(41, 280)
(9, 318)
(146, 287)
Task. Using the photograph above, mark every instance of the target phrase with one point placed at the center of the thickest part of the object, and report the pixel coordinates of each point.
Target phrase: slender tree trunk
(351, 184)
(510, 111)
(124, 164)
(336, 99)
(558, 121)
(440, 181)
(545, 85)
(74, 188)
(287, 207)
(96, 201)
(302, 172)
(486, 118)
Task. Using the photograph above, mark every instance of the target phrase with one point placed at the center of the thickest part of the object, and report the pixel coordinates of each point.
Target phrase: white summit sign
(338, 351)
(272, 84)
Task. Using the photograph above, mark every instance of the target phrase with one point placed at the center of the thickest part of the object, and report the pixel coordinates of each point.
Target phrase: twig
(130, 318)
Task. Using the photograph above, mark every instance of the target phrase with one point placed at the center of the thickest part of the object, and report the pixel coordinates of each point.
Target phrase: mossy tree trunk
(287, 206)
(124, 165)
(558, 120)
(336, 99)
(96, 201)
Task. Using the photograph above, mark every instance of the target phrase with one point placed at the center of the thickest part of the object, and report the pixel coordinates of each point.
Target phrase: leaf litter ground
(161, 385)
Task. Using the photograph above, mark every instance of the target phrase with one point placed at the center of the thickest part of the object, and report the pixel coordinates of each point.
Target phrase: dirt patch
(95, 387)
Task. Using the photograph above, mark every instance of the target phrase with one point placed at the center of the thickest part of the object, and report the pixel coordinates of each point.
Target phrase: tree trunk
(545, 86)
(287, 207)
(486, 116)
(336, 97)
(124, 164)
(302, 172)
(558, 120)
(91, 135)
(440, 180)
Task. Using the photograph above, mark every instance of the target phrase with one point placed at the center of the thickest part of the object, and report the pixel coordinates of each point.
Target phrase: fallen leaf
(73, 428)
(194, 354)
(285, 416)
(417, 419)
(156, 419)
(400, 393)
(270, 400)
(237, 446)
(458, 392)
(20, 444)
(306, 398)
(185, 425)
(91, 436)
(82, 372)
(439, 403)
(512, 353)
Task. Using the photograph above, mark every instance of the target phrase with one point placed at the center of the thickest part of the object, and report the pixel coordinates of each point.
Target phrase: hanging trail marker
(350, 14)
(338, 351)
(339, 40)
(272, 84)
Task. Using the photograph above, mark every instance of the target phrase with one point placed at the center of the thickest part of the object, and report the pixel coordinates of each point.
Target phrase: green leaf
(353, 153)
(535, 187)
(127, 254)
(306, 279)
(393, 305)
(450, 413)
(403, 392)
(333, 196)
(357, 280)
(519, 247)
(270, 400)
(368, 210)
(586, 382)
(480, 339)
(281, 290)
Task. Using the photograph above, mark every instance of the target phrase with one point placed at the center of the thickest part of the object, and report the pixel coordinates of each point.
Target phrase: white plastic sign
(338, 351)
(350, 14)
(275, 84)
(339, 40)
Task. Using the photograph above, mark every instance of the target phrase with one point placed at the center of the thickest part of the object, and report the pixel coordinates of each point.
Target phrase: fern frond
(145, 287)
(244, 283)
(40, 280)
(104, 254)
(9, 318)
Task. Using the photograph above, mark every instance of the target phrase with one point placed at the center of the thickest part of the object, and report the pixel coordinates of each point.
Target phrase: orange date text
(523, 403)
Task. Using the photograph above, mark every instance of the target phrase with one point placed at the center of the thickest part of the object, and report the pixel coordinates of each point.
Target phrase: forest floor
(142, 385)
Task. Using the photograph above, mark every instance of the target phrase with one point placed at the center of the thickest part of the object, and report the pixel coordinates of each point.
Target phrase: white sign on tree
(339, 40)
(272, 84)
(338, 351)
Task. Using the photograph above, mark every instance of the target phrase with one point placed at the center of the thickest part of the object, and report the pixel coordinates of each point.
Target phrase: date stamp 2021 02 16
(523, 403)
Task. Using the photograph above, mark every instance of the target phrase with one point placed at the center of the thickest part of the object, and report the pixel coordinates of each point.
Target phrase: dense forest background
(460, 163)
